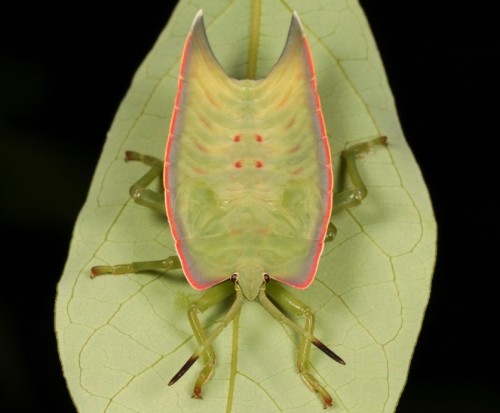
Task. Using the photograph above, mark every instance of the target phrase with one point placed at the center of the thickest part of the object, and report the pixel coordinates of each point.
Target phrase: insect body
(248, 190)
(248, 176)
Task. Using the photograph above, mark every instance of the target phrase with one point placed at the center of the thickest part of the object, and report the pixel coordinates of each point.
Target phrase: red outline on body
(326, 219)
(173, 123)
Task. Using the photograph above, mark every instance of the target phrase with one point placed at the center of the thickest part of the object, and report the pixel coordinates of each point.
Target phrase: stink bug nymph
(248, 188)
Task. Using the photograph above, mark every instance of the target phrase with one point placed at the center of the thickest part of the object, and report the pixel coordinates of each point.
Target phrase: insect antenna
(278, 315)
(235, 308)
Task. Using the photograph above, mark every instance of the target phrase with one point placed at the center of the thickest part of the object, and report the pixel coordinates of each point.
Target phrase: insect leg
(331, 232)
(214, 296)
(139, 191)
(354, 196)
(293, 305)
(171, 263)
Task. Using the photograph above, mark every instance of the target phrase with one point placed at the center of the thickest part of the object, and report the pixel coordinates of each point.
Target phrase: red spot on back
(259, 164)
(294, 149)
(285, 98)
(201, 147)
(205, 122)
(238, 164)
(258, 138)
(214, 103)
(199, 171)
(237, 138)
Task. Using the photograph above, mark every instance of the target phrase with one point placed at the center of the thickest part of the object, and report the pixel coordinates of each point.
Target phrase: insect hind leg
(214, 296)
(139, 191)
(293, 305)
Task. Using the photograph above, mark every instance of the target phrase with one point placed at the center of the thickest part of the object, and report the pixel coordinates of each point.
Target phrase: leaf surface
(121, 339)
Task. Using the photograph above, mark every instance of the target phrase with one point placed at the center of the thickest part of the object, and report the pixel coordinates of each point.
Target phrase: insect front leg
(214, 296)
(139, 191)
(293, 305)
(353, 196)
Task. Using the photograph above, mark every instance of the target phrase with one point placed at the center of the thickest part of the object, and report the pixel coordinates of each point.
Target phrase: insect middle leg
(170, 263)
(139, 191)
(293, 305)
(151, 199)
(353, 196)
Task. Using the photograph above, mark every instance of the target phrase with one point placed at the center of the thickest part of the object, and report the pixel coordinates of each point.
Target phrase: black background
(57, 102)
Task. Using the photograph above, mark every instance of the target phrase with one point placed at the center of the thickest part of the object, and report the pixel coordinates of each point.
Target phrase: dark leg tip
(132, 156)
(197, 393)
(183, 369)
(328, 352)
(327, 402)
(97, 270)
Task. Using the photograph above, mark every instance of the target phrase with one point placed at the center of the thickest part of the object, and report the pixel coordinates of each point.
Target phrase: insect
(248, 188)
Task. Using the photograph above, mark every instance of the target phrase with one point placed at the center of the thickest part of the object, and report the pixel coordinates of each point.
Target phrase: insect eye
(266, 277)
(234, 277)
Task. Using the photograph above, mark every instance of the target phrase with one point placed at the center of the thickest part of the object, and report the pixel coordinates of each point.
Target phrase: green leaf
(121, 339)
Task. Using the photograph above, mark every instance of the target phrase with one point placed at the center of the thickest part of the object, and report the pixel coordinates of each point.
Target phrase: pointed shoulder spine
(200, 45)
